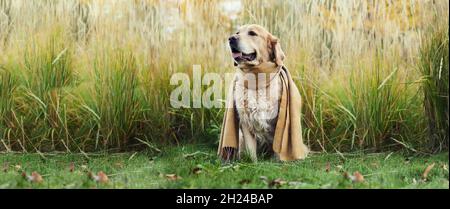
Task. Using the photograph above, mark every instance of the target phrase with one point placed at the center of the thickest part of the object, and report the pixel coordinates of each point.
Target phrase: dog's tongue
(237, 54)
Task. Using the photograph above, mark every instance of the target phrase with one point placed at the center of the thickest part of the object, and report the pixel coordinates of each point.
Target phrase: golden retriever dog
(257, 108)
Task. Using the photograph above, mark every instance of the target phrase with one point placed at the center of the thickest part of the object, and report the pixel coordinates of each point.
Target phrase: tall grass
(375, 108)
(7, 21)
(116, 105)
(7, 122)
(47, 70)
(434, 68)
(81, 24)
(81, 75)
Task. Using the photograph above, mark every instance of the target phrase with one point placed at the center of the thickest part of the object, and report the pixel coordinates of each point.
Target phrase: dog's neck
(260, 76)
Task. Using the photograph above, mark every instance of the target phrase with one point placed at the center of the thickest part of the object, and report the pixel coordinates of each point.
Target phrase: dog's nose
(232, 39)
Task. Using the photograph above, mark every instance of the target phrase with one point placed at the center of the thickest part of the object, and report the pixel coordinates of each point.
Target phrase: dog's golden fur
(266, 46)
(257, 108)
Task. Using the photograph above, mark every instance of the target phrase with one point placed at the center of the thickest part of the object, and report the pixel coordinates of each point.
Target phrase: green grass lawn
(198, 167)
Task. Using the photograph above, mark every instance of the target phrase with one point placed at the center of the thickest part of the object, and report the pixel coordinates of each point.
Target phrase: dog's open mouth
(240, 56)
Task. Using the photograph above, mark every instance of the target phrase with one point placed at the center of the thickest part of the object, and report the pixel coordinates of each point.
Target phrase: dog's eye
(252, 33)
(237, 32)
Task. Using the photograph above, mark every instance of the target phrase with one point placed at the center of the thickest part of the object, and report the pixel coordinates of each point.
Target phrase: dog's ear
(277, 53)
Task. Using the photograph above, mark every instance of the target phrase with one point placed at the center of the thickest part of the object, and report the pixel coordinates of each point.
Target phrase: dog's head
(252, 45)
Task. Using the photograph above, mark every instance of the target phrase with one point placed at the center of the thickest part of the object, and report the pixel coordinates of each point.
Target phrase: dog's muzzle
(237, 54)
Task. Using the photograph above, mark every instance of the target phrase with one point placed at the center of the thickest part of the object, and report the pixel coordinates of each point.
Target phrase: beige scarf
(288, 142)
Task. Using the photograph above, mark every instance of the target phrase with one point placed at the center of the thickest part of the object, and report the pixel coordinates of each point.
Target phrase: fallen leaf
(358, 177)
(83, 167)
(18, 167)
(444, 166)
(71, 167)
(277, 183)
(348, 176)
(197, 170)
(172, 177)
(427, 171)
(101, 177)
(328, 167)
(339, 167)
(35, 177)
(244, 181)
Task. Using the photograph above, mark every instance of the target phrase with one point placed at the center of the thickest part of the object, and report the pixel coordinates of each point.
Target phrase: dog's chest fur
(258, 108)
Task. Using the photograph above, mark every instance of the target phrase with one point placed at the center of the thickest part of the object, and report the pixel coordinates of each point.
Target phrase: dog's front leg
(247, 143)
(241, 143)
